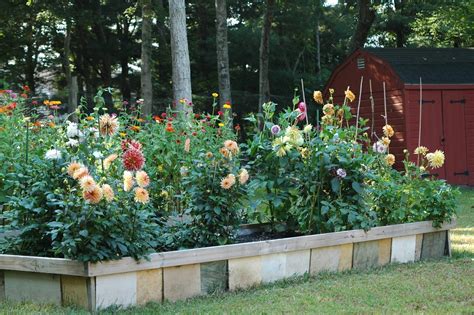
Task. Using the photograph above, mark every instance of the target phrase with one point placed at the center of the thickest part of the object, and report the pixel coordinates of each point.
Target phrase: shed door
(455, 137)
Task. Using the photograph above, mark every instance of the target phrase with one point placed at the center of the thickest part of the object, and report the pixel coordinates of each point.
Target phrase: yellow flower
(436, 159)
(328, 109)
(122, 134)
(51, 124)
(89, 118)
(307, 128)
(390, 159)
(331, 91)
(349, 95)
(318, 97)
(87, 183)
(108, 192)
(215, 95)
(227, 106)
(326, 120)
(164, 194)
(143, 180)
(386, 141)
(182, 101)
(221, 124)
(304, 153)
(209, 155)
(421, 150)
(388, 131)
(141, 195)
(127, 181)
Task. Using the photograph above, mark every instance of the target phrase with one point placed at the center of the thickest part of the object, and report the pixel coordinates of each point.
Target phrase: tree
(365, 20)
(182, 93)
(264, 83)
(146, 66)
(222, 53)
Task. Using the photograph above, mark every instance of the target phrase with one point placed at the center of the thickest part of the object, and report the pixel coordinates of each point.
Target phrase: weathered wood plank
(419, 242)
(57, 266)
(216, 253)
(2, 286)
(331, 258)
(32, 287)
(74, 291)
(214, 276)
(245, 272)
(149, 286)
(117, 289)
(404, 249)
(434, 245)
(366, 255)
(181, 282)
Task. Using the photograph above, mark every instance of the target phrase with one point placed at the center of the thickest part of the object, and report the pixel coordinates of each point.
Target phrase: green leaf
(335, 185)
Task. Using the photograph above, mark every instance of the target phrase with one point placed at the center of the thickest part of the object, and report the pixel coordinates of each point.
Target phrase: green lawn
(439, 287)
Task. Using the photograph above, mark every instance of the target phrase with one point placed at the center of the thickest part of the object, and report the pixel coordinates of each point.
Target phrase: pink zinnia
(133, 159)
(302, 110)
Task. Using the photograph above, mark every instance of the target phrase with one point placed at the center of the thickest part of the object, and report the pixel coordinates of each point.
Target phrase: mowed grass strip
(429, 287)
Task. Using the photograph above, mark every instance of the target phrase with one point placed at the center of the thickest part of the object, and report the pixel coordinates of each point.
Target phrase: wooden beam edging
(59, 266)
(63, 266)
(225, 252)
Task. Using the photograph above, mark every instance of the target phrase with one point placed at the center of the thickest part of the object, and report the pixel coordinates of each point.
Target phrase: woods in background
(248, 51)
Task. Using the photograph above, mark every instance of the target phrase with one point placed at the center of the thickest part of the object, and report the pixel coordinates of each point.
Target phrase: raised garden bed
(182, 274)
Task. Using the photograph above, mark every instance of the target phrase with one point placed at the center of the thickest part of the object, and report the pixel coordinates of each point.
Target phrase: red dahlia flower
(133, 159)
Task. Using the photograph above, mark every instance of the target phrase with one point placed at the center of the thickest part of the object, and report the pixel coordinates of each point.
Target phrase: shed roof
(433, 65)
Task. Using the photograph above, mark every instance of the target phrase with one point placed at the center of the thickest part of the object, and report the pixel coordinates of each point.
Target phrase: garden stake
(385, 103)
(358, 106)
(372, 105)
(385, 109)
(419, 126)
(304, 100)
(27, 139)
(345, 98)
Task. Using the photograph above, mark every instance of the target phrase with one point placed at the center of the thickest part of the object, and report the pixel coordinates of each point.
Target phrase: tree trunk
(264, 84)
(222, 53)
(72, 97)
(366, 19)
(182, 94)
(318, 46)
(146, 68)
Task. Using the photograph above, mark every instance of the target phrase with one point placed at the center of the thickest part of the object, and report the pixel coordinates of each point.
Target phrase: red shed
(448, 101)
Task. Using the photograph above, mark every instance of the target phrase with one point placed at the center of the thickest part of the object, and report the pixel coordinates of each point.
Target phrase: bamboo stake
(358, 106)
(419, 125)
(385, 103)
(372, 104)
(345, 98)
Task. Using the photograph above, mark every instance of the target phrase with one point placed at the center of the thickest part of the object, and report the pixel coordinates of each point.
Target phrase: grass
(429, 287)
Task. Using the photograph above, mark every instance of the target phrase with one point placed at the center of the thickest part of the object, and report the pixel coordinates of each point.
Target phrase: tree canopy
(308, 39)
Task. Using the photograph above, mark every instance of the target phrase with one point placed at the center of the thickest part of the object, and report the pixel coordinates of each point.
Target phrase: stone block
(33, 287)
(181, 282)
(149, 286)
(245, 272)
(117, 289)
(403, 249)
